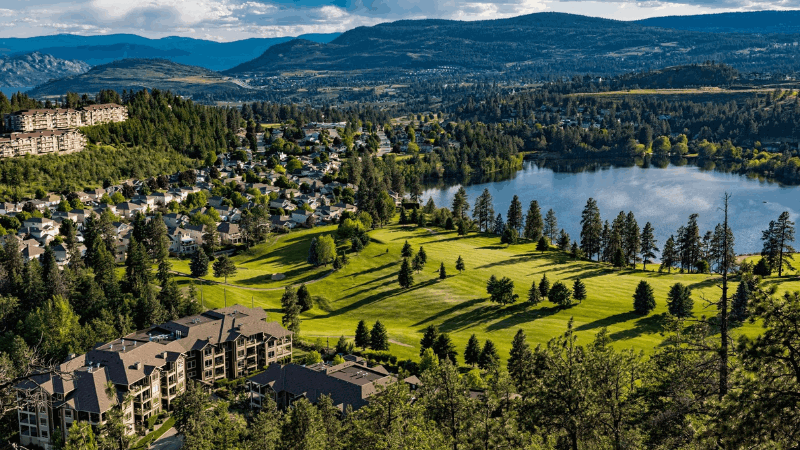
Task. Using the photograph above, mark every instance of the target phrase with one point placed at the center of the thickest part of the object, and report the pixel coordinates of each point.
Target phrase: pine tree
(356, 245)
(550, 225)
(423, 257)
(416, 263)
(739, 311)
(632, 240)
(514, 216)
(785, 235)
(406, 276)
(510, 236)
(533, 222)
(444, 348)
(579, 290)
(670, 255)
(199, 264)
(499, 225)
(460, 203)
(304, 298)
(543, 244)
(563, 241)
(407, 251)
(618, 258)
(534, 296)
(489, 359)
(648, 246)
(762, 268)
(560, 294)
(379, 337)
(428, 338)
(363, 337)
(544, 286)
(520, 360)
(472, 352)
(460, 267)
(591, 229)
(679, 301)
(483, 211)
(341, 345)
(643, 299)
(224, 267)
(291, 310)
(312, 253)
(442, 272)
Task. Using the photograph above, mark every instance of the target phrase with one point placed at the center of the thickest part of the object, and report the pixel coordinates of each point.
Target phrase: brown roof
(31, 112)
(42, 133)
(102, 106)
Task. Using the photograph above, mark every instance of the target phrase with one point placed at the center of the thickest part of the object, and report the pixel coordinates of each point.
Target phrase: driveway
(171, 440)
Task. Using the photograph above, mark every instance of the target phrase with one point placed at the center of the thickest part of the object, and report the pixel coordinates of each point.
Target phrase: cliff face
(36, 68)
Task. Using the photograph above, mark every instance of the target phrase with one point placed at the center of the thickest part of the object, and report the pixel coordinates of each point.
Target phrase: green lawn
(367, 289)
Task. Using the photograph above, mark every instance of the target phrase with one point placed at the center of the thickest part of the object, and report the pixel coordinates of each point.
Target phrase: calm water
(9, 91)
(664, 197)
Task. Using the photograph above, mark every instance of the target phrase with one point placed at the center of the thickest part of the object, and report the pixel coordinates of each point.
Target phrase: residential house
(229, 233)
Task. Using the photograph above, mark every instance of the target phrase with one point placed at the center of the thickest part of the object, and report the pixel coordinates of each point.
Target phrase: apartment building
(29, 120)
(147, 370)
(42, 143)
(105, 113)
(348, 384)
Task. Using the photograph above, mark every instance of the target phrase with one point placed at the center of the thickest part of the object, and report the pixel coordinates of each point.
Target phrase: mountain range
(97, 50)
(36, 68)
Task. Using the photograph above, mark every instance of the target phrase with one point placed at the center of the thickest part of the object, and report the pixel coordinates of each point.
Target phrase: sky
(229, 20)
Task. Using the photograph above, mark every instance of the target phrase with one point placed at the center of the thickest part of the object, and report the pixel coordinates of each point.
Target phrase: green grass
(367, 289)
(155, 434)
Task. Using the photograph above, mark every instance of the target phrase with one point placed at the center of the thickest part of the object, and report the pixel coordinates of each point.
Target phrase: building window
(68, 413)
(191, 374)
(208, 374)
(190, 365)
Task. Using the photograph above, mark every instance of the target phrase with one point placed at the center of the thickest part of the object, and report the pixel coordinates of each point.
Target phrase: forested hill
(542, 43)
(680, 77)
(137, 74)
(733, 22)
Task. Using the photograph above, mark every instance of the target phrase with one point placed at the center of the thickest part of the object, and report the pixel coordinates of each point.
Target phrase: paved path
(171, 440)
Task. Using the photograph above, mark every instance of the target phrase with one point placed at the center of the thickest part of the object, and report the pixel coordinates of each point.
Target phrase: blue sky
(227, 20)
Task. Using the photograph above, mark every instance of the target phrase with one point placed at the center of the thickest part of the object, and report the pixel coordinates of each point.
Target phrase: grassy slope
(367, 289)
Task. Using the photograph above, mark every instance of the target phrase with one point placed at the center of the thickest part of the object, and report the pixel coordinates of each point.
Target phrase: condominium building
(42, 143)
(142, 373)
(29, 120)
(105, 113)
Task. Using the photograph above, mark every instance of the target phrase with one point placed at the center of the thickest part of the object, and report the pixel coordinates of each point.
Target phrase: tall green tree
(406, 276)
(579, 290)
(489, 359)
(80, 437)
(460, 266)
(679, 301)
(460, 203)
(303, 428)
(534, 296)
(472, 352)
(648, 245)
(224, 267)
(591, 229)
(551, 225)
(643, 299)
(304, 298)
(670, 255)
(560, 294)
(544, 286)
(483, 211)
(291, 310)
(379, 337)
(533, 222)
(514, 216)
(363, 338)
(199, 264)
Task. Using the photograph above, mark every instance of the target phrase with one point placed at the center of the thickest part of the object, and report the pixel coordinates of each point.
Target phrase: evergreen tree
(648, 245)
(534, 296)
(579, 290)
(739, 311)
(632, 240)
(543, 244)
(533, 222)
(460, 204)
(423, 257)
(643, 299)
(406, 276)
(502, 290)
(544, 286)
(785, 231)
(460, 267)
(137, 269)
(363, 338)
(341, 345)
(762, 268)
(670, 255)
(499, 225)
(428, 338)
(444, 348)
(379, 337)
(510, 236)
(483, 212)
(489, 359)
(472, 352)
(679, 301)
(591, 229)
(303, 428)
(312, 253)
(80, 437)
(199, 264)
(514, 216)
(416, 263)
(551, 225)
(224, 267)
(618, 258)
(407, 251)
(560, 294)
(520, 360)
(442, 272)
(356, 245)
(291, 310)
(304, 298)
(563, 241)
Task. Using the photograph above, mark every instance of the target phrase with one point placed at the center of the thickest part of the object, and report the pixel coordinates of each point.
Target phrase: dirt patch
(278, 276)
(392, 341)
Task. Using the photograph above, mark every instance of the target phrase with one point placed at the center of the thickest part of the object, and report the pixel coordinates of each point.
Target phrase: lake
(9, 91)
(665, 197)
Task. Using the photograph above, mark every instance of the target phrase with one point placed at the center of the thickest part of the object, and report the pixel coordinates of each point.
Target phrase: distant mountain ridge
(98, 50)
(547, 43)
(36, 68)
(138, 74)
(764, 22)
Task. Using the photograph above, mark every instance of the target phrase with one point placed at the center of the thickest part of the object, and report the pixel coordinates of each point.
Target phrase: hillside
(137, 74)
(734, 22)
(542, 43)
(36, 68)
(681, 77)
(98, 50)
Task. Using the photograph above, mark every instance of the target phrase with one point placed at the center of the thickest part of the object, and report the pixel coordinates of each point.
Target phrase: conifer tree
(560, 294)
(363, 338)
(460, 266)
(533, 222)
(406, 276)
(423, 257)
(550, 225)
(739, 312)
(543, 244)
(407, 251)
(291, 310)
(563, 241)
(520, 360)
(428, 338)
(679, 301)
(579, 290)
(514, 216)
(648, 246)
(489, 359)
(670, 255)
(199, 264)
(472, 352)
(544, 286)
(643, 299)
(534, 296)
(379, 337)
(591, 229)
(304, 298)
(444, 348)
(499, 225)
(442, 272)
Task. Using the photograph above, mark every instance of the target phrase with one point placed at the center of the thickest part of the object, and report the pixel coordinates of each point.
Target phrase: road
(171, 440)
